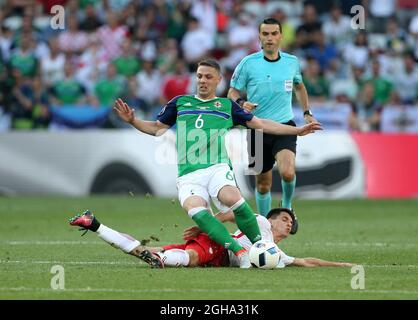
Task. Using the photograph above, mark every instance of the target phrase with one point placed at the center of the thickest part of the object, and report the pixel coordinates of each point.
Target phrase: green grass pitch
(35, 235)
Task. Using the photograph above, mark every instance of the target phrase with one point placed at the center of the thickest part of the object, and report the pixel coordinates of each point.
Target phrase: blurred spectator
(40, 101)
(358, 78)
(127, 63)
(205, 12)
(324, 53)
(29, 103)
(92, 63)
(28, 28)
(337, 28)
(112, 35)
(357, 53)
(52, 64)
(310, 24)
(91, 20)
(196, 44)
(23, 58)
(73, 40)
(129, 16)
(396, 37)
(315, 83)
(20, 103)
(406, 81)
(242, 39)
(176, 24)
(68, 90)
(367, 109)
(109, 88)
(382, 86)
(176, 84)
(149, 83)
(168, 53)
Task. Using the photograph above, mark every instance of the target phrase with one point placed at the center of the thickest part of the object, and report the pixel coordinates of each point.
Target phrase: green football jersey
(201, 129)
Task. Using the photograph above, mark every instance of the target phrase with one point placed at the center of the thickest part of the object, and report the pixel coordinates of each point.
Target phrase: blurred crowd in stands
(146, 51)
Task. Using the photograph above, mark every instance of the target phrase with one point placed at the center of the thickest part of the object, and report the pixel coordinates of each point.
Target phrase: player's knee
(288, 175)
(263, 186)
(193, 258)
(229, 195)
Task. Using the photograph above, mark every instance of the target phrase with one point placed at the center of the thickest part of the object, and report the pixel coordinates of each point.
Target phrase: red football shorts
(210, 253)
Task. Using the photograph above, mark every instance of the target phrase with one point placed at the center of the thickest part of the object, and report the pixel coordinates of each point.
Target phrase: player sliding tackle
(204, 168)
(199, 249)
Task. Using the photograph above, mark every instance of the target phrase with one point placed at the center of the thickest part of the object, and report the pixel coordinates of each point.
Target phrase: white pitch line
(198, 290)
(127, 263)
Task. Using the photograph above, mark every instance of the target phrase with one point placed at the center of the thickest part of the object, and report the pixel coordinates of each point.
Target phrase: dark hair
(210, 63)
(270, 21)
(275, 212)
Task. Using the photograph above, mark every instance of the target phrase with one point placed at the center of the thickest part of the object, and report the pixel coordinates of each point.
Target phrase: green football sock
(288, 189)
(246, 221)
(216, 230)
(263, 202)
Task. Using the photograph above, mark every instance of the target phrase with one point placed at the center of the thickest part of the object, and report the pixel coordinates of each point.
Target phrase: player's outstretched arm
(273, 127)
(127, 114)
(314, 262)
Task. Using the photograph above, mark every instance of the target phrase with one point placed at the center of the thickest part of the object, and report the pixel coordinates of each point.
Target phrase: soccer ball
(264, 254)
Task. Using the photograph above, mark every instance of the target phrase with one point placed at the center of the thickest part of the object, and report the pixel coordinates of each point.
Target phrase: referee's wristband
(308, 113)
(240, 101)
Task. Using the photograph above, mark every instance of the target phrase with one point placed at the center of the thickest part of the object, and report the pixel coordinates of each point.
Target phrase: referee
(268, 78)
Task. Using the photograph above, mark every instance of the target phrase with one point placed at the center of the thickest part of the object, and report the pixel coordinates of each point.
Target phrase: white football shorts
(206, 183)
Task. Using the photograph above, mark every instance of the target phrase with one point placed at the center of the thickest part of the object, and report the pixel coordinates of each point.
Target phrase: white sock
(175, 257)
(118, 240)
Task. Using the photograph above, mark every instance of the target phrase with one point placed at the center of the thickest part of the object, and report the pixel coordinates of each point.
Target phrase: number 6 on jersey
(199, 122)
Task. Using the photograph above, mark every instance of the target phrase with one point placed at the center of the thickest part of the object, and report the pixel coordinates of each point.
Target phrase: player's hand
(309, 119)
(309, 128)
(249, 106)
(191, 232)
(124, 112)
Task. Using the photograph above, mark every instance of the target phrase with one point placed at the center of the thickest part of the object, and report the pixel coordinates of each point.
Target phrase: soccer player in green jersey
(268, 78)
(204, 168)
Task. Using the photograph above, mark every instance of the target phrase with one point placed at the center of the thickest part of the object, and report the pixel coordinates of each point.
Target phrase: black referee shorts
(271, 145)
